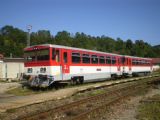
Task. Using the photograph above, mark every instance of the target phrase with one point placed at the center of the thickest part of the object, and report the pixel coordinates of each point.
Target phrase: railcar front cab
(38, 62)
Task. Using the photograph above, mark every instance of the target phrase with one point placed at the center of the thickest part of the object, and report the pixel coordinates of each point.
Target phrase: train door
(65, 63)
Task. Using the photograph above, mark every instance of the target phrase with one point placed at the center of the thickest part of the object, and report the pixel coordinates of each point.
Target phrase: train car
(47, 63)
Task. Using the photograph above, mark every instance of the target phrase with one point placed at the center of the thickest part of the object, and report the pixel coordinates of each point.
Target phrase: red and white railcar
(46, 64)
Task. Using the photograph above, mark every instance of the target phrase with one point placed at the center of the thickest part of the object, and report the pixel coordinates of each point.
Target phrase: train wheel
(77, 80)
(73, 81)
(81, 80)
(113, 77)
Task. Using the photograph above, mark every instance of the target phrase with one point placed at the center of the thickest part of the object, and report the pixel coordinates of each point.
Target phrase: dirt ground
(34, 108)
(5, 86)
(127, 109)
(19, 101)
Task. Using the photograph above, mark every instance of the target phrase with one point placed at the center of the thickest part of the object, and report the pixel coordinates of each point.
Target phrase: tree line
(14, 40)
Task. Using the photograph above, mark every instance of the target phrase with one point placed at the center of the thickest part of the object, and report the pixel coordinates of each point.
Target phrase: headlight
(42, 70)
(29, 70)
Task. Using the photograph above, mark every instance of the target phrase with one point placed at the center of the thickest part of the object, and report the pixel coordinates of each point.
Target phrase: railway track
(91, 106)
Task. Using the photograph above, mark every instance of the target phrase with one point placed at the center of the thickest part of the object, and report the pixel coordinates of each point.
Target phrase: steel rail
(63, 108)
(93, 112)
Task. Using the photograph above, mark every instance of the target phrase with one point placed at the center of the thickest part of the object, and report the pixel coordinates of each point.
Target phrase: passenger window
(133, 62)
(108, 60)
(85, 58)
(94, 59)
(76, 58)
(101, 60)
(43, 54)
(57, 56)
(144, 62)
(113, 60)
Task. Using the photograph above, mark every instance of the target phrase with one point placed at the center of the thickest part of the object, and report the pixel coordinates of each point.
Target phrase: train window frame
(113, 60)
(37, 55)
(94, 59)
(108, 60)
(30, 56)
(86, 58)
(101, 60)
(76, 57)
(56, 54)
(41, 56)
(148, 63)
(139, 62)
(133, 62)
(29, 70)
(143, 62)
(57, 57)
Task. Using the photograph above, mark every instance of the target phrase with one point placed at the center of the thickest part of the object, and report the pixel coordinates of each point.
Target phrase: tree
(120, 46)
(63, 38)
(129, 46)
(13, 40)
(41, 37)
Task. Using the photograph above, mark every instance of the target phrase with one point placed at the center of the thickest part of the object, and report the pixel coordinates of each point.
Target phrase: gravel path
(127, 110)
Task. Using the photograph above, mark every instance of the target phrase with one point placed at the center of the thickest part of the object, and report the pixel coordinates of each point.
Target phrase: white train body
(55, 63)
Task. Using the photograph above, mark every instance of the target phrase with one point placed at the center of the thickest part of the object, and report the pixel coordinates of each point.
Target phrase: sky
(125, 19)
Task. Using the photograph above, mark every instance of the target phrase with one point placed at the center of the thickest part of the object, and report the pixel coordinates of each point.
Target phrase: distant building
(11, 68)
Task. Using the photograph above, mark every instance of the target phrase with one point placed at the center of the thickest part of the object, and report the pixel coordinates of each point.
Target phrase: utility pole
(29, 27)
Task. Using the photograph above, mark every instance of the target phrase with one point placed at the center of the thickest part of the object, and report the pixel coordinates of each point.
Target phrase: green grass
(97, 92)
(150, 110)
(22, 91)
(11, 110)
(4, 81)
(90, 93)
